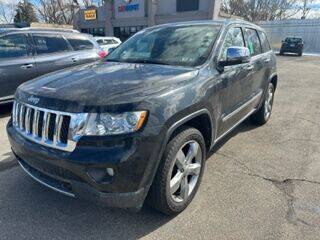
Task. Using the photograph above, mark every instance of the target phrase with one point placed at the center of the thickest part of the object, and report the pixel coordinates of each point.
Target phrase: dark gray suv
(139, 124)
(28, 53)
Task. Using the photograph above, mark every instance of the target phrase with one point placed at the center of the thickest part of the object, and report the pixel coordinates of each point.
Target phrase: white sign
(129, 8)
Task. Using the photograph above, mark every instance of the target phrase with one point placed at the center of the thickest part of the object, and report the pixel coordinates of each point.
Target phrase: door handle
(27, 66)
(250, 67)
(74, 60)
(267, 60)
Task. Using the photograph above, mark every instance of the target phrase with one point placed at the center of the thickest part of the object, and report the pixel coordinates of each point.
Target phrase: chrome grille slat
(27, 120)
(35, 129)
(57, 130)
(21, 112)
(34, 124)
(46, 117)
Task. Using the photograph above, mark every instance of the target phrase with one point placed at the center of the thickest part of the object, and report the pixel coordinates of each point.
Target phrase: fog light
(110, 171)
(101, 174)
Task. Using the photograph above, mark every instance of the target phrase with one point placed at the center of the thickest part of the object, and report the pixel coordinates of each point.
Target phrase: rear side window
(79, 43)
(50, 44)
(13, 46)
(234, 38)
(252, 41)
(264, 42)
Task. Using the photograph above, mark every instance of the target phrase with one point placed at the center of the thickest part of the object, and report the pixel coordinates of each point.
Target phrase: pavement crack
(286, 187)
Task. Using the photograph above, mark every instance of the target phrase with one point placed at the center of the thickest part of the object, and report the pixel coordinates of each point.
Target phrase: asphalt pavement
(259, 183)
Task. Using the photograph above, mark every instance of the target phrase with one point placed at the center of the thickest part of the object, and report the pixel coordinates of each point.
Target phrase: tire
(281, 53)
(300, 54)
(173, 199)
(263, 114)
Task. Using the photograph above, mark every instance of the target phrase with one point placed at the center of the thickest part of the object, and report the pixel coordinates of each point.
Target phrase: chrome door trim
(234, 126)
(239, 109)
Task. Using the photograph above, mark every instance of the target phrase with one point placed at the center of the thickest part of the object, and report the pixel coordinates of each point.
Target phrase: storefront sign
(90, 14)
(129, 8)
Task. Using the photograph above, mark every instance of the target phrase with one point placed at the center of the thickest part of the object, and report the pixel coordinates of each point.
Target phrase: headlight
(100, 124)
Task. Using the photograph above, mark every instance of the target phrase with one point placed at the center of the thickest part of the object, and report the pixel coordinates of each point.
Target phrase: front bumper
(134, 159)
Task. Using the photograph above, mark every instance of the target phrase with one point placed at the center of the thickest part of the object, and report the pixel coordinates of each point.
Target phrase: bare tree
(7, 11)
(305, 9)
(259, 10)
(57, 11)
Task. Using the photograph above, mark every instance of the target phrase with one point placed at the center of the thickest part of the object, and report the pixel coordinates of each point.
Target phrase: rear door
(17, 64)
(267, 59)
(258, 59)
(84, 49)
(53, 52)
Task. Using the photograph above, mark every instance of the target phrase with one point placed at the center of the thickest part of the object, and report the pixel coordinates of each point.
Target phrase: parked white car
(108, 42)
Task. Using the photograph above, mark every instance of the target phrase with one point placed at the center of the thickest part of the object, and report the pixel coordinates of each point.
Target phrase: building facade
(123, 18)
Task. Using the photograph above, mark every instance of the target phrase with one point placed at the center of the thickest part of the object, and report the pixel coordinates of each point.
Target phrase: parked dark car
(140, 125)
(29, 52)
(292, 45)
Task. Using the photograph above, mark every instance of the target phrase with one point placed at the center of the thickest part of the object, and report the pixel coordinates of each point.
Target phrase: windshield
(177, 45)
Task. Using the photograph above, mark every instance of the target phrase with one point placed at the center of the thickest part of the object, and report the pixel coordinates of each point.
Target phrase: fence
(308, 29)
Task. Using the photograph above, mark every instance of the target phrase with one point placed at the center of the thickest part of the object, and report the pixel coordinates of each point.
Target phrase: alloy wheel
(186, 170)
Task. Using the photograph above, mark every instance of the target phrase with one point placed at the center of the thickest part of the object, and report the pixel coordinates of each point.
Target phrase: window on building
(123, 33)
(50, 44)
(187, 5)
(234, 38)
(78, 43)
(253, 42)
(264, 42)
(13, 46)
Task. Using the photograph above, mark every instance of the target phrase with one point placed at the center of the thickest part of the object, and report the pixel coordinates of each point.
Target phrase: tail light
(102, 54)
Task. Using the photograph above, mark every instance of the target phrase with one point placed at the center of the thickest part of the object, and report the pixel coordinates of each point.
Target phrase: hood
(106, 83)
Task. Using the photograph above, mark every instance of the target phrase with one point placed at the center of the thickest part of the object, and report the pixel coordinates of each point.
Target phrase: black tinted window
(233, 38)
(264, 42)
(50, 44)
(253, 42)
(13, 46)
(79, 43)
(187, 5)
(293, 40)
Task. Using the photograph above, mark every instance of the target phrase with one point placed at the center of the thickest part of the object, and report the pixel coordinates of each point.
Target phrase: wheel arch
(200, 120)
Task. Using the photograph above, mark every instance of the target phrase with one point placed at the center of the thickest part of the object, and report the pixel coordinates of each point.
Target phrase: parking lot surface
(259, 183)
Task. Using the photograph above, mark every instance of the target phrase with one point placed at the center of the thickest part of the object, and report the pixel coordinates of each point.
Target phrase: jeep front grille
(46, 127)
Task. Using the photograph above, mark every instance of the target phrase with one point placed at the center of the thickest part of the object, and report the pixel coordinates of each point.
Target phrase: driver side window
(234, 38)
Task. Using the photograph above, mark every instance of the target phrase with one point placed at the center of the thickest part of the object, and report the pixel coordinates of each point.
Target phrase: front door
(236, 81)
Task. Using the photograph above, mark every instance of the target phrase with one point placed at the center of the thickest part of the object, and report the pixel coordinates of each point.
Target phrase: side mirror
(236, 55)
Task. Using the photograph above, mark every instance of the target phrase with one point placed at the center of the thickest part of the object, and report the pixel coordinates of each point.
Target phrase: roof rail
(51, 29)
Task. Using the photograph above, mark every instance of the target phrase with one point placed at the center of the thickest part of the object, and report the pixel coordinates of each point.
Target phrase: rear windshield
(293, 40)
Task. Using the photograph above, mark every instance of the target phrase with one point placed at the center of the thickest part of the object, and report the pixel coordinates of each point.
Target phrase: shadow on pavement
(5, 109)
(28, 210)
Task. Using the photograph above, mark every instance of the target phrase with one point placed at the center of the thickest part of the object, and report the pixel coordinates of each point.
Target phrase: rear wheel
(179, 173)
(263, 114)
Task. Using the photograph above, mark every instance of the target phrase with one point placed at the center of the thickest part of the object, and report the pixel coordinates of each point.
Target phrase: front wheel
(179, 173)
(263, 114)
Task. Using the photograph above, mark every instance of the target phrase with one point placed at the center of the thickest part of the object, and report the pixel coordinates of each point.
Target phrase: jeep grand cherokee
(140, 124)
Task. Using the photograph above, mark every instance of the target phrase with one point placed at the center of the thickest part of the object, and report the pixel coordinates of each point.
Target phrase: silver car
(28, 53)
